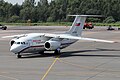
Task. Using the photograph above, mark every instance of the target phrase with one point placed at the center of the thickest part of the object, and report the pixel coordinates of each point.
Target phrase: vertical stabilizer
(78, 24)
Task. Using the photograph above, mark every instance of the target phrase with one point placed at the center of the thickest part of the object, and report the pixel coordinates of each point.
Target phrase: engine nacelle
(52, 45)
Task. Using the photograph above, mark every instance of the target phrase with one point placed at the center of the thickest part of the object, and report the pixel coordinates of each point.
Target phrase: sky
(17, 1)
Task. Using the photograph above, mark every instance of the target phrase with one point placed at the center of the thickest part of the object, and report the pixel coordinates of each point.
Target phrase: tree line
(57, 10)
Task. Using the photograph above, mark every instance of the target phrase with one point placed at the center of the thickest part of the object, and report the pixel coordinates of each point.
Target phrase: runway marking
(50, 67)
(76, 65)
(12, 78)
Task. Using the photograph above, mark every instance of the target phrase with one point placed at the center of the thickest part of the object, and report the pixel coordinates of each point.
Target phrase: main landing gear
(57, 51)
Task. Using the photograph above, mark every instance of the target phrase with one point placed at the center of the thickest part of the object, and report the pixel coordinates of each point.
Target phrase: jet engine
(52, 45)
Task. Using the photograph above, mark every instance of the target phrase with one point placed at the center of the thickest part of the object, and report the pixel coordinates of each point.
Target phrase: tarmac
(83, 60)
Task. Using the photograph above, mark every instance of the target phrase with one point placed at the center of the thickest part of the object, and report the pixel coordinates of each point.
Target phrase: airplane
(40, 42)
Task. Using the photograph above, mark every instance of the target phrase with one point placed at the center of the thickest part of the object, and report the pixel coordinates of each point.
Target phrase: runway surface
(82, 60)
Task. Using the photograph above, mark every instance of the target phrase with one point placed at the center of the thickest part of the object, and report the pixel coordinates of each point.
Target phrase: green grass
(40, 24)
(117, 24)
(107, 24)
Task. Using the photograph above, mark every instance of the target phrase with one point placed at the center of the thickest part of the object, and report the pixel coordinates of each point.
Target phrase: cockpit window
(20, 43)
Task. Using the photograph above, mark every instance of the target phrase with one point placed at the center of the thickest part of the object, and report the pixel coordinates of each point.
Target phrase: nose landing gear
(19, 56)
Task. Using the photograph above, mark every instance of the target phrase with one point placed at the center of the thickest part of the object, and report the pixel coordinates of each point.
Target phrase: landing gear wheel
(18, 56)
(57, 51)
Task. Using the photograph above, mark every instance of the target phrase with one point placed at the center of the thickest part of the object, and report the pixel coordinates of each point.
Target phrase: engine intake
(52, 45)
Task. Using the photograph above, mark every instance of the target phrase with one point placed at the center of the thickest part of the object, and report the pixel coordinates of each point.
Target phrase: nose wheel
(19, 56)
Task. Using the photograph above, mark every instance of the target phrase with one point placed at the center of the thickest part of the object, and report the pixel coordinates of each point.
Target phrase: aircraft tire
(19, 56)
(57, 51)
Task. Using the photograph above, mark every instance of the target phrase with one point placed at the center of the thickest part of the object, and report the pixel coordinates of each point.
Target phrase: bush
(93, 20)
(109, 19)
(50, 19)
(14, 18)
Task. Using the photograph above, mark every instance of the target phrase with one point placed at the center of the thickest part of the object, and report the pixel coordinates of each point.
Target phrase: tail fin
(77, 26)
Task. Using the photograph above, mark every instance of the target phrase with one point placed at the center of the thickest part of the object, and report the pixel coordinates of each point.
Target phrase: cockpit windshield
(20, 43)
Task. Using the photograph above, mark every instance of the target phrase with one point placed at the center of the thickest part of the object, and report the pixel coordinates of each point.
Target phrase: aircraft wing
(78, 38)
(14, 36)
(97, 40)
(62, 36)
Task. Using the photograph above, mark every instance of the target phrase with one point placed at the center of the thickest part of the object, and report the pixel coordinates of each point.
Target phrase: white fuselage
(34, 42)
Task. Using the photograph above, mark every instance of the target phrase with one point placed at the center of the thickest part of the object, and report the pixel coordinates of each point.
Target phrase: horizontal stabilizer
(87, 15)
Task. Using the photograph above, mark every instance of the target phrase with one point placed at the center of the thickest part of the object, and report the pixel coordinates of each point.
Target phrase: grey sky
(17, 1)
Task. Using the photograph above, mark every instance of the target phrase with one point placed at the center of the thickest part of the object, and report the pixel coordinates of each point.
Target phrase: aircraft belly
(34, 49)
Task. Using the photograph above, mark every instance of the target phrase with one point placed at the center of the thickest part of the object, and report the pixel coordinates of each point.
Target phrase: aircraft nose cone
(14, 50)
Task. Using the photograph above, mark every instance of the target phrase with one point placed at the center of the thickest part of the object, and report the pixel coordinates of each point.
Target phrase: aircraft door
(30, 42)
